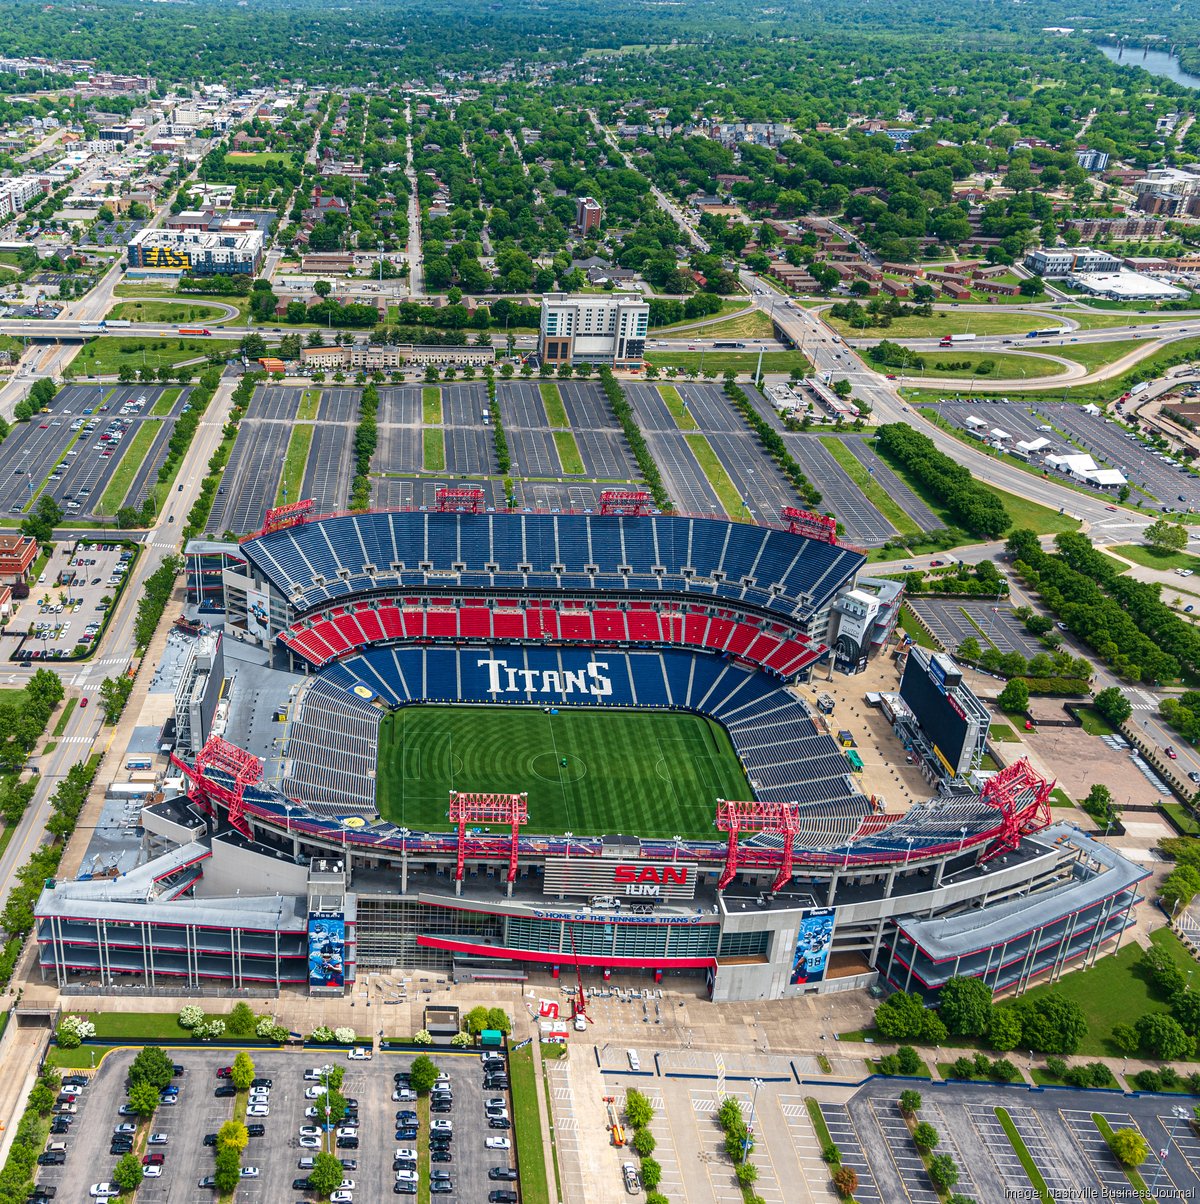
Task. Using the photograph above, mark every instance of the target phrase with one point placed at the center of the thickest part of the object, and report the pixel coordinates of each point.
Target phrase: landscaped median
(527, 1126)
(679, 412)
(1023, 1154)
(714, 471)
(294, 464)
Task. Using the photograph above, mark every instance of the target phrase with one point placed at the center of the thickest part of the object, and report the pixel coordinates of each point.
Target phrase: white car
(314, 1092)
(154, 1171)
(309, 1131)
(71, 1089)
(347, 1131)
(104, 1191)
(442, 1126)
(341, 1197)
(358, 1055)
(310, 1143)
(403, 1175)
(314, 1074)
(497, 1143)
(249, 1172)
(258, 1110)
(346, 1185)
(403, 1095)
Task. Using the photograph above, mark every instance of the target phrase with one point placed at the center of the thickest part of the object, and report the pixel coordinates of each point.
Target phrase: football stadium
(508, 744)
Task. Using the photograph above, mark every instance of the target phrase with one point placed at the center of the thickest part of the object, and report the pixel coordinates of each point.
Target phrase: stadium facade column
(833, 881)
(887, 894)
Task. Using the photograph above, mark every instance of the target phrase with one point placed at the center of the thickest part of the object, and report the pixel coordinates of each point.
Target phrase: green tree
(498, 1019)
(322, 288)
(651, 1173)
(476, 1020)
(228, 1170)
(1125, 1039)
(326, 1175)
(423, 1074)
(152, 1066)
(1129, 1147)
(910, 1102)
(241, 1020)
(144, 1098)
(925, 1137)
(969, 649)
(242, 1071)
(943, 1171)
(638, 1110)
(1113, 705)
(234, 1135)
(1004, 1029)
(729, 1113)
(1014, 698)
(1165, 536)
(127, 1174)
(644, 1142)
(901, 1016)
(1163, 1037)
(745, 1173)
(965, 1006)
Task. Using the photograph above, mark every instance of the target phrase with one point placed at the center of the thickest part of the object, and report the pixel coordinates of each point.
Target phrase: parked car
(497, 1143)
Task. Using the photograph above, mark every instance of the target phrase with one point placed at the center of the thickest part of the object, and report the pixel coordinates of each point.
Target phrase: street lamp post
(1179, 1113)
(750, 1127)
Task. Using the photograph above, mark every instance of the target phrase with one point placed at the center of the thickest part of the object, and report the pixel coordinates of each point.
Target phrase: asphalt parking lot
(862, 522)
(953, 620)
(277, 1154)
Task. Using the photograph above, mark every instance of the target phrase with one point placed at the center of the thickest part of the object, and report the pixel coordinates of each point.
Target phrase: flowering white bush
(424, 1037)
(344, 1035)
(461, 1039)
(190, 1015)
(322, 1033)
(208, 1030)
(265, 1027)
(74, 1029)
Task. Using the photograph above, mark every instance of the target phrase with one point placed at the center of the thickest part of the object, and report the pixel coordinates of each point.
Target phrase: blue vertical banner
(813, 942)
(326, 950)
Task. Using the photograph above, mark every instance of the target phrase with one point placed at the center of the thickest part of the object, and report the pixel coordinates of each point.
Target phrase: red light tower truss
(625, 501)
(774, 819)
(810, 525)
(1022, 796)
(457, 497)
(488, 809)
(242, 768)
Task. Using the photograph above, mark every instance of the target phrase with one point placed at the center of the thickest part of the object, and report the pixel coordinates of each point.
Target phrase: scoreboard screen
(166, 257)
(941, 718)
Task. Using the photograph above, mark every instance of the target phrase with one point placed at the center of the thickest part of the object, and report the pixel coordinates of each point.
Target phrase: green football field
(634, 772)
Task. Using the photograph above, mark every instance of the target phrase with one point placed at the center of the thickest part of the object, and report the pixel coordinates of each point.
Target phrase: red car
(1171, 753)
(223, 1072)
(155, 1159)
(82, 703)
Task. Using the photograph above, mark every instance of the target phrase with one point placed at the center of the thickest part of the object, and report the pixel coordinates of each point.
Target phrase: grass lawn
(946, 322)
(107, 354)
(754, 325)
(294, 463)
(435, 449)
(1008, 366)
(77, 1059)
(310, 402)
(1093, 722)
(527, 1128)
(910, 626)
(1096, 355)
(1095, 321)
(181, 311)
(870, 488)
(651, 773)
(680, 412)
(431, 405)
(163, 406)
(1060, 798)
(146, 1026)
(258, 158)
(1156, 558)
(423, 1163)
(718, 478)
(552, 400)
(721, 362)
(568, 453)
(1182, 818)
(727, 307)
(1004, 733)
(137, 448)
(1114, 992)
(68, 707)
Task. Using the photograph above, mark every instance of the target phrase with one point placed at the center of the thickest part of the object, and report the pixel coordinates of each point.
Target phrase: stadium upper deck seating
(763, 567)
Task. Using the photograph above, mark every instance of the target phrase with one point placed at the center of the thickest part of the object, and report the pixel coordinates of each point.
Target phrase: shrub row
(772, 442)
(198, 515)
(634, 437)
(186, 424)
(156, 593)
(16, 1179)
(503, 458)
(366, 436)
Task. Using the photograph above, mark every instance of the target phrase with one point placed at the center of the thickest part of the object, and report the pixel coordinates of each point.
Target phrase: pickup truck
(633, 1183)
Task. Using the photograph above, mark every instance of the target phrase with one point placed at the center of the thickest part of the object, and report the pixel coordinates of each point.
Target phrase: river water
(1157, 62)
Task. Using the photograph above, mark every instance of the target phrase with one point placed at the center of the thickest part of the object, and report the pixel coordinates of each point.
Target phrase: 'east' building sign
(165, 257)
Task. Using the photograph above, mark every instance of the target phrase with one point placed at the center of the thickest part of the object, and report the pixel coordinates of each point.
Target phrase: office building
(578, 328)
(1064, 261)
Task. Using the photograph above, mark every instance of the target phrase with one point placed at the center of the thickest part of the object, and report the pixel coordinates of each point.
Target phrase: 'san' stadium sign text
(631, 880)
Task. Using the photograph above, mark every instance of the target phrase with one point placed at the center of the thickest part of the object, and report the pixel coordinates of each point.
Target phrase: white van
(635, 1063)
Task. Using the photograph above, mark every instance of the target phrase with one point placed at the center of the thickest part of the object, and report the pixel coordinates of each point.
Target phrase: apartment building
(588, 214)
(199, 252)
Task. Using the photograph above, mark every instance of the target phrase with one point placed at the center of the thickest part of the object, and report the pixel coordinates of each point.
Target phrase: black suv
(502, 1172)
(502, 1195)
(51, 1158)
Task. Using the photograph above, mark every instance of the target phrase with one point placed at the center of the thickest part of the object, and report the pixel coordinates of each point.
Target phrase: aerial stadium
(561, 743)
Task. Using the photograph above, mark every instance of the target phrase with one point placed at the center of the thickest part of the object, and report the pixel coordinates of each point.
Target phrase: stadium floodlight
(488, 809)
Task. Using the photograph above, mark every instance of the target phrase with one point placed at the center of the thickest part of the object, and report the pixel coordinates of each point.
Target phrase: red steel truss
(488, 809)
(291, 515)
(459, 497)
(1021, 795)
(625, 501)
(775, 819)
(810, 525)
(242, 768)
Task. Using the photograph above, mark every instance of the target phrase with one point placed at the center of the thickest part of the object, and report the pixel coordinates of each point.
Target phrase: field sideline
(641, 773)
